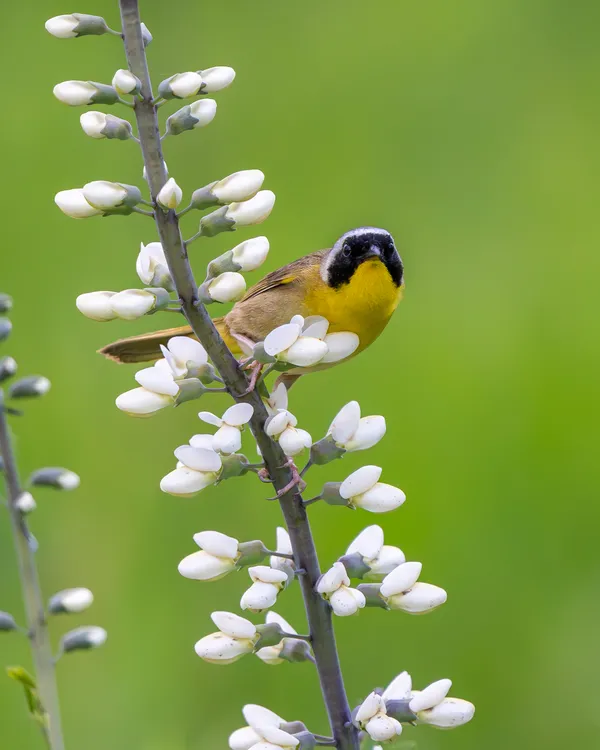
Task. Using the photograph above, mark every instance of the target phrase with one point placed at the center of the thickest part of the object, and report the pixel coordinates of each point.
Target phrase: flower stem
(317, 610)
(34, 604)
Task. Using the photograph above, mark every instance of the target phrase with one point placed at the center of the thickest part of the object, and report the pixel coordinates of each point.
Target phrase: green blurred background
(470, 130)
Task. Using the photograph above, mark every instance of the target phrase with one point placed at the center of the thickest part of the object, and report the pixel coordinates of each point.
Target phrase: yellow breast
(363, 306)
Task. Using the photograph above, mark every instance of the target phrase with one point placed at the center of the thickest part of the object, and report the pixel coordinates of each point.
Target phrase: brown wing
(276, 298)
(285, 275)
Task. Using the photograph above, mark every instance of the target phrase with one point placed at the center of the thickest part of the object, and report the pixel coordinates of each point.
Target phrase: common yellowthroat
(356, 285)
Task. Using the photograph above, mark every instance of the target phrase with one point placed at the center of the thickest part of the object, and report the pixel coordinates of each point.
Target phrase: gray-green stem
(30, 584)
(317, 610)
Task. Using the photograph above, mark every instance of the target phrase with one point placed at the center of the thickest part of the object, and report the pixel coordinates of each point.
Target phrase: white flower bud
(383, 728)
(217, 78)
(263, 592)
(219, 648)
(195, 115)
(340, 345)
(124, 82)
(294, 440)
(8, 367)
(430, 696)
(236, 638)
(25, 503)
(260, 716)
(239, 186)
(334, 585)
(140, 402)
(362, 490)
(198, 468)
(352, 433)
(449, 713)
(83, 638)
(401, 579)
(218, 556)
(253, 211)
(370, 707)
(108, 196)
(243, 739)
(30, 386)
(131, 304)
(146, 35)
(170, 195)
(203, 111)
(330, 581)
(186, 357)
(73, 204)
(78, 93)
(184, 482)
(399, 688)
(306, 351)
(346, 601)
(276, 738)
(233, 625)
(57, 477)
(281, 338)
(157, 380)
(8, 623)
(227, 287)
(62, 27)
(251, 254)
(96, 305)
(75, 24)
(200, 566)
(180, 86)
(70, 601)
(152, 268)
(100, 125)
(369, 432)
(296, 345)
(422, 597)
(368, 543)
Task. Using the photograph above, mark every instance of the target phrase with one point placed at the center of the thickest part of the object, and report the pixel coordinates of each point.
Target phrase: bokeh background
(468, 129)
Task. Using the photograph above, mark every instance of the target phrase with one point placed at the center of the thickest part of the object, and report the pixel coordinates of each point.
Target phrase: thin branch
(297, 637)
(317, 610)
(34, 604)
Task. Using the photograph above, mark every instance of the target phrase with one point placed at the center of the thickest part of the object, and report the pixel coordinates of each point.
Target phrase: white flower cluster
(401, 589)
(304, 342)
(264, 731)
(184, 360)
(387, 579)
(369, 559)
(428, 706)
(238, 637)
(351, 432)
(98, 198)
(378, 558)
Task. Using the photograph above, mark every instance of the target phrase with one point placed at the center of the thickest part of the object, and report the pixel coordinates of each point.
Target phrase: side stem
(30, 584)
(305, 554)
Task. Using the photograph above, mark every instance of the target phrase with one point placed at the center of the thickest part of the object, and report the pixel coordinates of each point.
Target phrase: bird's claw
(255, 369)
(296, 480)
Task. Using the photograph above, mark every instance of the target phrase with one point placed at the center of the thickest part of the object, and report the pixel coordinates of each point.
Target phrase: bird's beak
(373, 252)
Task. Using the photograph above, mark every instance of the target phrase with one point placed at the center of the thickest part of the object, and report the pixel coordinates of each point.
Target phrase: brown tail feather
(144, 348)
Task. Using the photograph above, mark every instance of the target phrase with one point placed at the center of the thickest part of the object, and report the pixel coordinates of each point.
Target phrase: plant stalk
(30, 585)
(305, 555)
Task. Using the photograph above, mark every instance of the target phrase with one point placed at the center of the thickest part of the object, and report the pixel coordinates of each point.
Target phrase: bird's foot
(296, 480)
(255, 369)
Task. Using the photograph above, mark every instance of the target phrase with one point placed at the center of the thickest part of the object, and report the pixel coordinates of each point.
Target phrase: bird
(356, 285)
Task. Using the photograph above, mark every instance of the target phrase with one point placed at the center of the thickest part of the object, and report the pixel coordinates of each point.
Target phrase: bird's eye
(346, 251)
